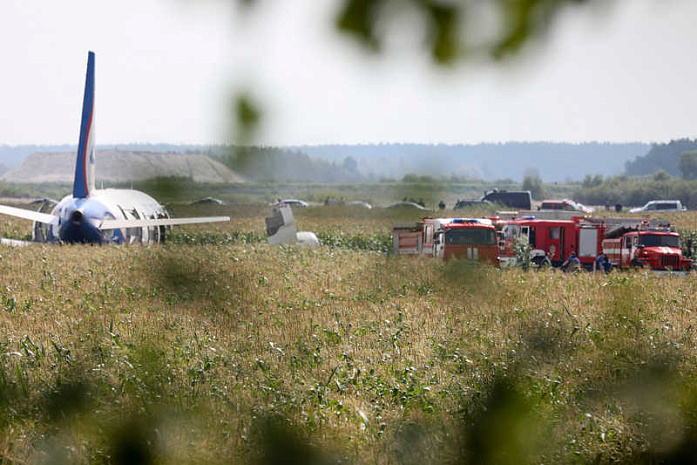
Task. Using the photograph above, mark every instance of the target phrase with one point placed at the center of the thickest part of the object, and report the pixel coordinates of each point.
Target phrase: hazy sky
(166, 71)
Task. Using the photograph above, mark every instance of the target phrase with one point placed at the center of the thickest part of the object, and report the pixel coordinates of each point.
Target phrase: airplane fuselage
(79, 219)
(94, 216)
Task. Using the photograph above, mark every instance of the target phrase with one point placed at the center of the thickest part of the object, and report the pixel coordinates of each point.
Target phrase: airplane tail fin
(84, 168)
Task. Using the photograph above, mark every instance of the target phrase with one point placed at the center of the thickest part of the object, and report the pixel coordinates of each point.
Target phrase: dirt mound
(116, 166)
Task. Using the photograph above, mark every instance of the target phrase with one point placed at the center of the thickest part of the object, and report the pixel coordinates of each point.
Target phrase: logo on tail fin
(84, 168)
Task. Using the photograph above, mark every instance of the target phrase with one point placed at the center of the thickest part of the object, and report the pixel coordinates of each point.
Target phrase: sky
(167, 71)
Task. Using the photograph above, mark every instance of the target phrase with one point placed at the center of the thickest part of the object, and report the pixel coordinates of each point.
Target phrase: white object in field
(281, 229)
(14, 242)
(307, 238)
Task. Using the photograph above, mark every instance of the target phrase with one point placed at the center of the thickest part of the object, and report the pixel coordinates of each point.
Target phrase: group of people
(601, 263)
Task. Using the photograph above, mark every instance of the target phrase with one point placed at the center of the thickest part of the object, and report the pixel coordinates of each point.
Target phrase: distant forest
(661, 157)
(555, 162)
(268, 163)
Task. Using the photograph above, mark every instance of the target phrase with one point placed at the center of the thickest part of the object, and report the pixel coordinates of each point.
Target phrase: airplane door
(42, 231)
(145, 234)
(132, 235)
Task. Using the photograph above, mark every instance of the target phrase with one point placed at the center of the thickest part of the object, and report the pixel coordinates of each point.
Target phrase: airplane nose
(77, 218)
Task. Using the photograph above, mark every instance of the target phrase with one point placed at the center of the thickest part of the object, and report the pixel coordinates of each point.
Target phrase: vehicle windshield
(656, 240)
(470, 236)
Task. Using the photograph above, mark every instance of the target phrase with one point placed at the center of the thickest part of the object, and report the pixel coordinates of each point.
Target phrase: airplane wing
(28, 214)
(14, 242)
(121, 223)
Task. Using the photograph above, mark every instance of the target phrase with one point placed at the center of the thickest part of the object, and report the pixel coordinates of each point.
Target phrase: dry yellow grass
(207, 351)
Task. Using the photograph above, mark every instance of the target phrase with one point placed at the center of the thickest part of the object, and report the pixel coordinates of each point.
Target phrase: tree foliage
(661, 157)
(688, 164)
(265, 163)
(661, 175)
(450, 25)
(592, 181)
(637, 191)
(533, 183)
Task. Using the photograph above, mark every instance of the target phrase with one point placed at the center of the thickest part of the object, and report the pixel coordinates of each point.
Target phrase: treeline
(270, 163)
(664, 157)
(625, 190)
(488, 161)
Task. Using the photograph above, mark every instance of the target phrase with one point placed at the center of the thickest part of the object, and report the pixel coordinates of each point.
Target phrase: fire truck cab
(464, 238)
(657, 248)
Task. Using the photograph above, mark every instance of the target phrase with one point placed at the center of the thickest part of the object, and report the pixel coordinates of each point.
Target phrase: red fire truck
(464, 238)
(627, 242)
(552, 241)
(647, 246)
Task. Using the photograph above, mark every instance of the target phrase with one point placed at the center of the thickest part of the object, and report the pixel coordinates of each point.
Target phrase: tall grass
(245, 352)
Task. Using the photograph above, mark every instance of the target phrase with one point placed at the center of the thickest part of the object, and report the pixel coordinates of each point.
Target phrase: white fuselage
(79, 219)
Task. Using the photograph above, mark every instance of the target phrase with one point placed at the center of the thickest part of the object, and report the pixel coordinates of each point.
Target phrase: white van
(660, 206)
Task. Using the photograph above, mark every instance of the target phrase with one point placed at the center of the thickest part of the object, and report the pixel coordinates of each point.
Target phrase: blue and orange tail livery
(84, 168)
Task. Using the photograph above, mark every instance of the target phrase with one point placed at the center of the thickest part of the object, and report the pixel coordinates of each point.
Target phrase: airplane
(99, 216)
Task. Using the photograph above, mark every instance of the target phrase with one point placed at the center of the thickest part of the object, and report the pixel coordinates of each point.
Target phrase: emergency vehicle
(552, 241)
(627, 242)
(463, 238)
(654, 247)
